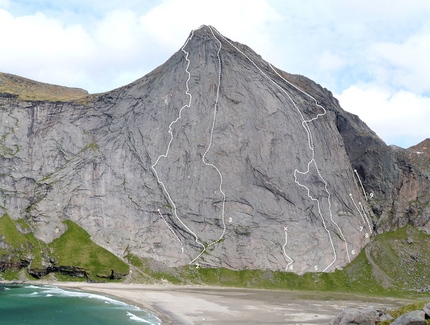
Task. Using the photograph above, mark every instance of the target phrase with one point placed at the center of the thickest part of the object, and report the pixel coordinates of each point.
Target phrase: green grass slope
(394, 264)
(75, 248)
(30, 90)
(73, 252)
(401, 258)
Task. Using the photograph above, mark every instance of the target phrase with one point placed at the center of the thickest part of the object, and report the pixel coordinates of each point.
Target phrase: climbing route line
(319, 208)
(188, 105)
(305, 124)
(288, 259)
(361, 184)
(211, 142)
(311, 146)
(362, 213)
(205, 162)
(355, 204)
(365, 215)
(171, 229)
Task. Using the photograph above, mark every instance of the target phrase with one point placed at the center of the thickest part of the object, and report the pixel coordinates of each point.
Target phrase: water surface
(48, 305)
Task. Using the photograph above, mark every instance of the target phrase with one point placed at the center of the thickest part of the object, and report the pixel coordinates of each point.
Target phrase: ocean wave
(53, 291)
(58, 292)
(137, 319)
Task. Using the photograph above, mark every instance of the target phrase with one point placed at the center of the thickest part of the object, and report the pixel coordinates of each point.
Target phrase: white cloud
(38, 45)
(121, 45)
(404, 65)
(244, 20)
(99, 45)
(112, 52)
(398, 117)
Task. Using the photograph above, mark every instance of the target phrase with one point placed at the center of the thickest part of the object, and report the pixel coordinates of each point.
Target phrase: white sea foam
(137, 319)
(134, 313)
(51, 291)
(58, 292)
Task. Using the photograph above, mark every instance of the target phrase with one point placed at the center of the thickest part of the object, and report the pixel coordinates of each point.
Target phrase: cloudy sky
(372, 54)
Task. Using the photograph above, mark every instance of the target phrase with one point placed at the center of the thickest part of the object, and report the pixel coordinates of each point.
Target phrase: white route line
(211, 141)
(187, 92)
(171, 229)
(291, 261)
(361, 184)
(353, 201)
(365, 215)
(362, 213)
(319, 210)
(197, 240)
(306, 126)
(310, 144)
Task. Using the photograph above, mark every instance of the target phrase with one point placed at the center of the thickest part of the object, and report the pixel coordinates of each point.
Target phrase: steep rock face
(398, 178)
(215, 158)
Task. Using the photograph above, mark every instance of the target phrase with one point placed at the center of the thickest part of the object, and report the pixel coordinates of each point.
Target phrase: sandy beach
(186, 305)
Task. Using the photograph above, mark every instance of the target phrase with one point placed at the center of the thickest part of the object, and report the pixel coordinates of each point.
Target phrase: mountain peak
(215, 159)
(422, 148)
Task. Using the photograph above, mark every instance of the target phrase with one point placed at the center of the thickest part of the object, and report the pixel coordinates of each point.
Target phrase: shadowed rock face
(215, 158)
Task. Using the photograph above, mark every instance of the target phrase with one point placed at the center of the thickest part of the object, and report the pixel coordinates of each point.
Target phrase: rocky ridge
(216, 158)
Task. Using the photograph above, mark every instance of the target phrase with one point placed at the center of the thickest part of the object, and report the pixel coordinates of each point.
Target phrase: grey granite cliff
(215, 158)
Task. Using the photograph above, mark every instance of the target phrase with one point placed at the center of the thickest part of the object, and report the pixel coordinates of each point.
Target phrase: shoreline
(201, 305)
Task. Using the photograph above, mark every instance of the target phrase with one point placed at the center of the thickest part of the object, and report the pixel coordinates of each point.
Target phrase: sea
(48, 305)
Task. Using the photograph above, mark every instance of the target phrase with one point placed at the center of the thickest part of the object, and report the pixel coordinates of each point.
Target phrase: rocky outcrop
(370, 316)
(366, 316)
(426, 310)
(72, 271)
(9, 265)
(215, 158)
(416, 317)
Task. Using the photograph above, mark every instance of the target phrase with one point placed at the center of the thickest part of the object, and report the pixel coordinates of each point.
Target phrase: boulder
(384, 317)
(416, 317)
(366, 316)
(426, 310)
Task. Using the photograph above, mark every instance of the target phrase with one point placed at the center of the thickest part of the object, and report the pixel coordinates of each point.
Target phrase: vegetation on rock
(73, 254)
(75, 248)
(30, 90)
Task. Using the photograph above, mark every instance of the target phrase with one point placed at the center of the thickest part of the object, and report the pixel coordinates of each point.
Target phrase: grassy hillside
(394, 263)
(13, 243)
(383, 268)
(30, 90)
(357, 277)
(401, 258)
(73, 252)
(75, 248)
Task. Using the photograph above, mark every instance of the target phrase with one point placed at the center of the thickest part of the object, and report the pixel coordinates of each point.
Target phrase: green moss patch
(75, 248)
(404, 310)
(22, 248)
(11, 235)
